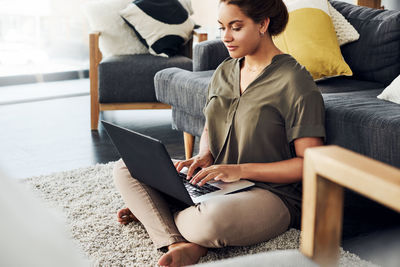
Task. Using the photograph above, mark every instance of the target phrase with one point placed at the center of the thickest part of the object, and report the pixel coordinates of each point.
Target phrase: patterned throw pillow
(310, 38)
(162, 26)
(345, 32)
(392, 92)
(116, 38)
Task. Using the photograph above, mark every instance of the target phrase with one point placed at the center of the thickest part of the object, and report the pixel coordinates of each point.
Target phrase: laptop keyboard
(195, 190)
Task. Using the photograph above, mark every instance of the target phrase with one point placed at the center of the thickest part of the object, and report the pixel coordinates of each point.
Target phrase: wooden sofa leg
(94, 101)
(189, 144)
(94, 115)
(95, 58)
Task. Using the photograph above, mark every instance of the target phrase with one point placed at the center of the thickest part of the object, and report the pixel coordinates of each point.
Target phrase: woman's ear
(264, 26)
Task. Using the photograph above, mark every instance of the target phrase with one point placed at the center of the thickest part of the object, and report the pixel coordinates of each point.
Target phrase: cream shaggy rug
(89, 201)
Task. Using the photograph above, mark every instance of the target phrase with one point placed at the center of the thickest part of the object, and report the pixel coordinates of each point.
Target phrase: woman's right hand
(203, 160)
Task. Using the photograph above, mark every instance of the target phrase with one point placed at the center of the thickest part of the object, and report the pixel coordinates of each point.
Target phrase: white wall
(205, 14)
(391, 4)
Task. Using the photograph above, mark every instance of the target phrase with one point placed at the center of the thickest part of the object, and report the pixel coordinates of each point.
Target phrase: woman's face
(240, 34)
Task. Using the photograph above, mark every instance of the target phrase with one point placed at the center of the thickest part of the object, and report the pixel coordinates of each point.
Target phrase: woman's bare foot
(125, 216)
(182, 254)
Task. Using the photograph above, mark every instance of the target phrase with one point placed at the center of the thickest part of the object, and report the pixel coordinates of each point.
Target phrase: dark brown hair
(258, 10)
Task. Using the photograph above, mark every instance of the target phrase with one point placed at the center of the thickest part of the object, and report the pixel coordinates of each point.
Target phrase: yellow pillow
(310, 38)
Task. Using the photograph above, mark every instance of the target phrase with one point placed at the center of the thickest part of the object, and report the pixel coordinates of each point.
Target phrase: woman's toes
(125, 216)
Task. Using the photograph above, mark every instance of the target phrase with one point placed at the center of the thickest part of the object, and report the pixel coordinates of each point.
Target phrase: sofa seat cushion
(346, 84)
(184, 90)
(365, 124)
(130, 78)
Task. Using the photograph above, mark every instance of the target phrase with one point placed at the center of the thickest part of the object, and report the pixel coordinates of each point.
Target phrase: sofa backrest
(376, 55)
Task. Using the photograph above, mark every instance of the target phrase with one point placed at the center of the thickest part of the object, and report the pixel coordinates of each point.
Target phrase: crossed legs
(238, 219)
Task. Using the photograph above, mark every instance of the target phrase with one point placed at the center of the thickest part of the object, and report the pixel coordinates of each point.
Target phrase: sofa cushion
(162, 26)
(130, 78)
(376, 55)
(116, 37)
(365, 124)
(185, 90)
(346, 84)
(345, 32)
(392, 92)
(310, 38)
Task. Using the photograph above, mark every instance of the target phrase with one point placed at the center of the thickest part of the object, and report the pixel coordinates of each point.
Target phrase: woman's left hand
(227, 173)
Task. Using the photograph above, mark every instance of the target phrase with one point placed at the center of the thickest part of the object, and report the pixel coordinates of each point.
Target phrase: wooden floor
(42, 137)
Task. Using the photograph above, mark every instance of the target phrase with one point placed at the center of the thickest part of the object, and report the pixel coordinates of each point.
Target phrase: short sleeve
(306, 117)
(209, 96)
(214, 82)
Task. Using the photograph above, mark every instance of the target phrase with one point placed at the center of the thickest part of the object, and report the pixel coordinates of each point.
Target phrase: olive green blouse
(259, 126)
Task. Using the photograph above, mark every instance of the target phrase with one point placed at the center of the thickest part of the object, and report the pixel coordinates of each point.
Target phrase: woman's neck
(263, 55)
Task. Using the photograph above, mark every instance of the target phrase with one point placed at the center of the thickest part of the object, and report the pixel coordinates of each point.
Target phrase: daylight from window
(42, 36)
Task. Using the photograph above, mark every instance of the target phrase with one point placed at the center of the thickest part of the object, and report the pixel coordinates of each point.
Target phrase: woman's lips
(231, 47)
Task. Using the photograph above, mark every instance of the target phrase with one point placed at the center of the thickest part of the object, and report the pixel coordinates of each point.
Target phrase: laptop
(148, 161)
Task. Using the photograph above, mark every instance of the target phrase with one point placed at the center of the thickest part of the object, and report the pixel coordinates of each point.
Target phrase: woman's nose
(227, 36)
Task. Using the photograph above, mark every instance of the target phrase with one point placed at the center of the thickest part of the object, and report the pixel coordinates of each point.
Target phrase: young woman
(263, 111)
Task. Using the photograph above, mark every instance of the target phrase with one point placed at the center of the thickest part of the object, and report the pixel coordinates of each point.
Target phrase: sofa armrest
(208, 55)
(327, 170)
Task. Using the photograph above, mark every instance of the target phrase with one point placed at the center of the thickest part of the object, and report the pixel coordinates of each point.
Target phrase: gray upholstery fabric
(130, 78)
(185, 90)
(208, 55)
(355, 120)
(363, 123)
(185, 122)
(345, 84)
(376, 55)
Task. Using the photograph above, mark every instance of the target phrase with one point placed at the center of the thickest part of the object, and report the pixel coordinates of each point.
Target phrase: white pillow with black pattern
(162, 26)
(116, 37)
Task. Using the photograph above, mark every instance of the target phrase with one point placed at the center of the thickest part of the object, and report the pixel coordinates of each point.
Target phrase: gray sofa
(126, 81)
(355, 118)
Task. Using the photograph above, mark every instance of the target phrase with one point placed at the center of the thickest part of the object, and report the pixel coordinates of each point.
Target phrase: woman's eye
(221, 28)
(236, 29)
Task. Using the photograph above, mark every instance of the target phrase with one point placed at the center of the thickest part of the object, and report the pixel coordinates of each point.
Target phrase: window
(42, 36)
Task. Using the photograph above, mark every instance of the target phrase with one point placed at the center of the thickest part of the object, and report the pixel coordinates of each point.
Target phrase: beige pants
(239, 219)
